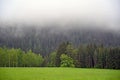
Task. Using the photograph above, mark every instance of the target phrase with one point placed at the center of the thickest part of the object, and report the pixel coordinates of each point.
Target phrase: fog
(104, 14)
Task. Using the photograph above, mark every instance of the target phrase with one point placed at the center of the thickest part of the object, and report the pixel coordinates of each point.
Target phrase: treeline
(86, 56)
(45, 40)
(66, 55)
(18, 58)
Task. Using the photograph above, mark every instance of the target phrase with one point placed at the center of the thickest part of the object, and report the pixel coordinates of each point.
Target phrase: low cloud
(80, 13)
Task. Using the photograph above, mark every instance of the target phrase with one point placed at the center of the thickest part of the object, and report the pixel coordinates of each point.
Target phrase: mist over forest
(45, 40)
(42, 26)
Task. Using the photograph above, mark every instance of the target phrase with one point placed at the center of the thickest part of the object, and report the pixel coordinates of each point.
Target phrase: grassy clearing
(58, 74)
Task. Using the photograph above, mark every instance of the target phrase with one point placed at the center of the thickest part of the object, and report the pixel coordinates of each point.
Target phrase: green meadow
(58, 74)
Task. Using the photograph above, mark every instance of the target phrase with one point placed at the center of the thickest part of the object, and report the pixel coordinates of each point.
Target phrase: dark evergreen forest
(29, 47)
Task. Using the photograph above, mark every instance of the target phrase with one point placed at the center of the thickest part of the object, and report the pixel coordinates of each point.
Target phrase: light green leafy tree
(66, 61)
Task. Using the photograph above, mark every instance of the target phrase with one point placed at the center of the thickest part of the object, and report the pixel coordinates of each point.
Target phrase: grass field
(58, 74)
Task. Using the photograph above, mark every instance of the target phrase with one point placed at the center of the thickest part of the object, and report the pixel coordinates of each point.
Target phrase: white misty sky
(98, 12)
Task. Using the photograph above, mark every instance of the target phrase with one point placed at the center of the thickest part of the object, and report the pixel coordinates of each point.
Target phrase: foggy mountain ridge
(47, 39)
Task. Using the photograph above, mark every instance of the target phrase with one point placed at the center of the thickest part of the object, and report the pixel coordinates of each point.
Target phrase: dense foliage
(66, 61)
(86, 56)
(18, 58)
(32, 46)
(45, 40)
(91, 55)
